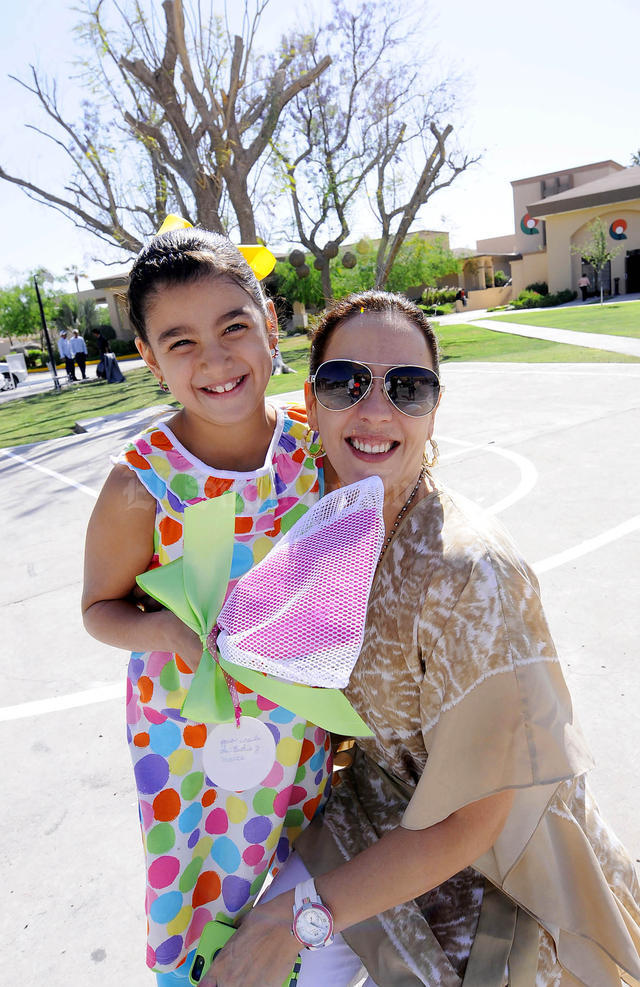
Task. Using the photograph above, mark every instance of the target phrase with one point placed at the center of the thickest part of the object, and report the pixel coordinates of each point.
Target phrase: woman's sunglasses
(339, 384)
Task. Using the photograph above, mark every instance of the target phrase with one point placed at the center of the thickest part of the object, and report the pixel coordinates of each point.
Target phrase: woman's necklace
(402, 513)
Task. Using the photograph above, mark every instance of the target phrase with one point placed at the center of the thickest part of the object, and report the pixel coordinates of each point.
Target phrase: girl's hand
(261, 953)
(181, 639)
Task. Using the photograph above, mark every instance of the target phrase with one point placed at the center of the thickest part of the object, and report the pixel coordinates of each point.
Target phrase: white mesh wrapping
(300, 613)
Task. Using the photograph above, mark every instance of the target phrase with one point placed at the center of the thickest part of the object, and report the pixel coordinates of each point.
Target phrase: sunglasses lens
(413, 390)
(339, 384)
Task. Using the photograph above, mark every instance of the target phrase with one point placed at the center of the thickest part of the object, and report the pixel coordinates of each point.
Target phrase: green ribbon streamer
(194, 587)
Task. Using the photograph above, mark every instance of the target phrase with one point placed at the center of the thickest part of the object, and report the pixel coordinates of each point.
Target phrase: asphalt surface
(551, 449)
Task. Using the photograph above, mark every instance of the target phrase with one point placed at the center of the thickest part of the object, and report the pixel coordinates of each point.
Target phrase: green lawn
(50, 415)
(469, 342)
(616, 319)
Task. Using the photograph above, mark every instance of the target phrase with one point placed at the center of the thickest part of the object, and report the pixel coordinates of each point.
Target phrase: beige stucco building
(111, 291)
(552, 214)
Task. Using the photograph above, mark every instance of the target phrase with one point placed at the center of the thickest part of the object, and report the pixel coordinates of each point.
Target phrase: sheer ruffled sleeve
(496, 713)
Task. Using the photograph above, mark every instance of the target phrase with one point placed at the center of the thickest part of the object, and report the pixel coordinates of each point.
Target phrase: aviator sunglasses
(340, 384)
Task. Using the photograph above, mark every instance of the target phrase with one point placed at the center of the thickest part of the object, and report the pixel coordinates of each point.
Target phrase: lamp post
(56, 383)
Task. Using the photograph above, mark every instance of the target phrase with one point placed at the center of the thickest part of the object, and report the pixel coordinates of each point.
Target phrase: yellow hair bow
(259, 258)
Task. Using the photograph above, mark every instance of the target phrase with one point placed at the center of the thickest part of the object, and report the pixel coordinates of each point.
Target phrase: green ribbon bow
(194, 587)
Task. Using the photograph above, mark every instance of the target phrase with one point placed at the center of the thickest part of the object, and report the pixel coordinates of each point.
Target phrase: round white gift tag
(239, 757)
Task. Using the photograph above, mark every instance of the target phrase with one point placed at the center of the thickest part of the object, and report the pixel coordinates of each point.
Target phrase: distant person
(79, 352)
(64, 349)
(278, 365)
(584, 284)
(103, 348)
(108, 367)
(461, 296)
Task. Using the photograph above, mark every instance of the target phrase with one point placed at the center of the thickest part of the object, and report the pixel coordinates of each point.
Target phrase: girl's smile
(231, 385)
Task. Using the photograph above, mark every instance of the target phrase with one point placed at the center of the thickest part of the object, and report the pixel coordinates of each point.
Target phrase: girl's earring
(435, 452)
(163, 387)
(312, 444)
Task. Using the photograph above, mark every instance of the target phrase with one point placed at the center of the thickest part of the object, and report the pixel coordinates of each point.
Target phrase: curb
(93, 425)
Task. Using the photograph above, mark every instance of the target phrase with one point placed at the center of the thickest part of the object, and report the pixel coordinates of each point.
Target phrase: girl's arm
(402, 865)
(118, 547)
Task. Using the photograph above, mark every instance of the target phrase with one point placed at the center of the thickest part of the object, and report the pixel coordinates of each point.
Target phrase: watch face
(313, 925)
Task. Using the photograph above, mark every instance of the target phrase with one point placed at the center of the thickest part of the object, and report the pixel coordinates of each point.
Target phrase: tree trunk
(242, 207)
(325, 278)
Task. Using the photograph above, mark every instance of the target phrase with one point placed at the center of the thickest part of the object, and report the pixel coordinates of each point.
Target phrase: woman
(468, 809)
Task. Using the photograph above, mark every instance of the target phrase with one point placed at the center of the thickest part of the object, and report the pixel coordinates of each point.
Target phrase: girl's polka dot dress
(208, 851)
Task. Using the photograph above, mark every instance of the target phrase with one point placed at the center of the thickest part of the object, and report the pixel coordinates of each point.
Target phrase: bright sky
(553, 85)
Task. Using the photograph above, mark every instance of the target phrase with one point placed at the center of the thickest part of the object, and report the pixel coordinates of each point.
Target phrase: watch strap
(305, 892)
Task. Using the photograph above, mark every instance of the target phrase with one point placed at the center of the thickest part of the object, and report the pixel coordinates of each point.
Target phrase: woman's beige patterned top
(459, 680)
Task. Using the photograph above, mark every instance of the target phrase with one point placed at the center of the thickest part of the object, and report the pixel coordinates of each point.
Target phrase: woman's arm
(402, 865)
(118, 547)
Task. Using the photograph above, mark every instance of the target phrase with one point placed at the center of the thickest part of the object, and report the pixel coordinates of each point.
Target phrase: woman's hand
(262, 952)
(401, 865)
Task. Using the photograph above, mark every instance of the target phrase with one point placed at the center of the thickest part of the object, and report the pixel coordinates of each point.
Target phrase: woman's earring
(435, 452)
(163, 387)
(312, 444)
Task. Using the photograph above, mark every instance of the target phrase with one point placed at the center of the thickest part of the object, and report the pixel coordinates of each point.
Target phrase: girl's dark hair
(183, 257)
(369, 301)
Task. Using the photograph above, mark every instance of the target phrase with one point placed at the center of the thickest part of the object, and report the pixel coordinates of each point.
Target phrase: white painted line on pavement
(56, 703)
(528, 472)
(48, 472)
(589, 545)
(548, 369)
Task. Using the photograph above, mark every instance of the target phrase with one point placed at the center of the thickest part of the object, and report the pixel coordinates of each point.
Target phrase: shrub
(527, 299)
(500, 279)
(533, 299)
(431, 311)
(438, 296)
(560, 299)
(123, 347)
(35, 358)
(540, 287)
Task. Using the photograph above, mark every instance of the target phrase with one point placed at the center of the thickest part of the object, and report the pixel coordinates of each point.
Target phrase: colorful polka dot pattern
(207, 850)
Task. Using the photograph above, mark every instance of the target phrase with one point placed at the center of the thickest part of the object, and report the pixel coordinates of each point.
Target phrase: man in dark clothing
(103, 347)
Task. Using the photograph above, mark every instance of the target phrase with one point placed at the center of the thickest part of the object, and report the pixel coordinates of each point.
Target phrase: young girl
(207, 333)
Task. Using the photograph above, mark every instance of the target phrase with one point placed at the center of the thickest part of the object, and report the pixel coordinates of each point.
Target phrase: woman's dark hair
(184, 257)
(369, 301)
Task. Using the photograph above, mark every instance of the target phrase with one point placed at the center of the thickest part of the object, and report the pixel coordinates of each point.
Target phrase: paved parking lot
(551, 449)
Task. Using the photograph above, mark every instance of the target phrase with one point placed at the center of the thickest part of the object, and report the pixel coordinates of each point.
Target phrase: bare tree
(413, 164)
(367, 131)
(327, 145)
(180, 114)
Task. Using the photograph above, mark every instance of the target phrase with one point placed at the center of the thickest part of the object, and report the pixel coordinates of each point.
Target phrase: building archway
(632, 272)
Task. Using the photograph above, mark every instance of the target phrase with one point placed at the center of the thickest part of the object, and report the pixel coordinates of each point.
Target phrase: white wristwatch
(312, 921)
